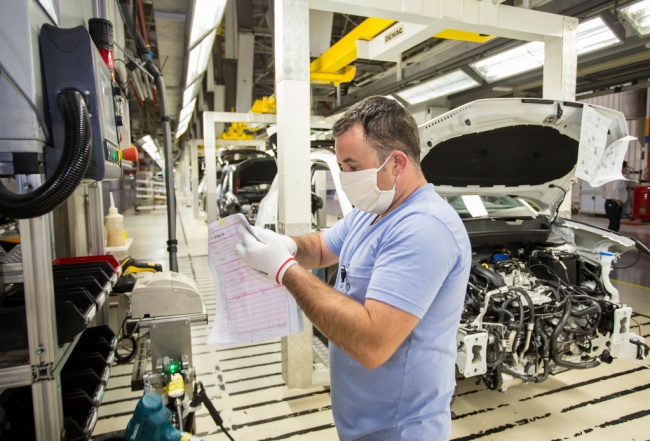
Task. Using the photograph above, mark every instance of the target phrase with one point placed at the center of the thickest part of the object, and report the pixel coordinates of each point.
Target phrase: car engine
(532, 311)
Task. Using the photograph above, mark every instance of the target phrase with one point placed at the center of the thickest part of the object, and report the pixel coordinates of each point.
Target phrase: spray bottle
(114, 226)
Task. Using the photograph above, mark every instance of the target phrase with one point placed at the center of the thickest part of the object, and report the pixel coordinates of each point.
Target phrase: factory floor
(246, 386)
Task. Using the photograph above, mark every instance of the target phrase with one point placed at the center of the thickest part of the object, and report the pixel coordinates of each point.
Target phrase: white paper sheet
(599, 163)
(250, 307)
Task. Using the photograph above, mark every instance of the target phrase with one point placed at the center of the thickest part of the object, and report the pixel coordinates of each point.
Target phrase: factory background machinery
(85, 84)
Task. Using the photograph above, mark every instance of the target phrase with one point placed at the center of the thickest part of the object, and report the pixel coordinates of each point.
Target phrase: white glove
(268, 256)
(265, 235)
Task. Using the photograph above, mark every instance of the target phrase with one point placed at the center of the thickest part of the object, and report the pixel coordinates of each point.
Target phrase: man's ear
(401, 160)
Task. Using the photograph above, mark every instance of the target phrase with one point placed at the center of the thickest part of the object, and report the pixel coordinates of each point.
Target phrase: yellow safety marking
(631, 284)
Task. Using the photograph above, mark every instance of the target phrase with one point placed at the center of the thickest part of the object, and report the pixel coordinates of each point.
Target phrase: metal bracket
(42, 372)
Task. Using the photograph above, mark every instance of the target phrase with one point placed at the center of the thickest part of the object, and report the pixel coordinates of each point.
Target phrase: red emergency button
(130, 154)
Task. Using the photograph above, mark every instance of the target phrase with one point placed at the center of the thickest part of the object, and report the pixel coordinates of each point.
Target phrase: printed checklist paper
(250, 307)
(599, 163)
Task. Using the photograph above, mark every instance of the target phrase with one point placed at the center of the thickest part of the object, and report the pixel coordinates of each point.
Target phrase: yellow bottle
(114, 223)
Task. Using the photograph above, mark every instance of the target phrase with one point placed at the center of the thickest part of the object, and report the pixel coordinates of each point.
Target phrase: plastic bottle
(114, 226)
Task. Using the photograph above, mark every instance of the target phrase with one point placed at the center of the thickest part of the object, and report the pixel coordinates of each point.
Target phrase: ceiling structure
(623, 66)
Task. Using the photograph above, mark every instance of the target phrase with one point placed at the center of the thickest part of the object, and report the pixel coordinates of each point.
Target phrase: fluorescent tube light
(638, 15)
(514, 61)
(191, 92)
(444, 85)
(593, 35)
(187, 110)
(149, 145)
(183, 126)
(206, 15)
(197, 61)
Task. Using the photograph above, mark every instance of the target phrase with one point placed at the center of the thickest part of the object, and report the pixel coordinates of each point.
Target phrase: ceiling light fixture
(149, 145)
(514, 61)
(444, 85)
(183, 126)
(197, 61)
(593, 35)
(638, 15)
(191, 92)
(187, 111)
(206, 16)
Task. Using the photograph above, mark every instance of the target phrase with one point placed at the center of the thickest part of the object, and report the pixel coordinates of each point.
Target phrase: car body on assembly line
(539, 299)
(328, 201)
(243, 185)
(226, 157)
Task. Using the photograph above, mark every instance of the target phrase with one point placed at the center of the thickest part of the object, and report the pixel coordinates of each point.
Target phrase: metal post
(210, 129)
(246, 51)
(560, 68)
(96, 234)
(41, 317)
(210, 167)
(194, 147)
(293, 116)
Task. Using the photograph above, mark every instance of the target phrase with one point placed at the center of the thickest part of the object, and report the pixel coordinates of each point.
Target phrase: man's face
(354, 153)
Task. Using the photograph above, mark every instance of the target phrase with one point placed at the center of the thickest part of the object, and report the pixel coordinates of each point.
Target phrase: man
(615, 193)
(404, 259)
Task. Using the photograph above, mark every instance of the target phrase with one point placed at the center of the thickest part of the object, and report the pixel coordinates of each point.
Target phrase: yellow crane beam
(344, 51)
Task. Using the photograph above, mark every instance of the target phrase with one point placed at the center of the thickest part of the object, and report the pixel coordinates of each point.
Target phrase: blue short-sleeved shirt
(416, 259)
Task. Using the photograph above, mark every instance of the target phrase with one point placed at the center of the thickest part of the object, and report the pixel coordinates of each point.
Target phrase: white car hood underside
(516, 147)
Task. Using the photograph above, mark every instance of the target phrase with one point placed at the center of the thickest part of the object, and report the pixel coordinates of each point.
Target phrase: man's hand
(268, 255)
(266, 235)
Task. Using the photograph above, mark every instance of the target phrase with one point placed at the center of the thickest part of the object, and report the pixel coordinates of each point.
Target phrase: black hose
(531, 306)
(590, 310)
(70, 170)
(599, 283)
(169, 174)
(593, 309)
(143, 51)
(554, 349)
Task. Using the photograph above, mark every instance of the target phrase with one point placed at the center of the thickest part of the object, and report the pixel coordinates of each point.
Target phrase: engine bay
(533, 310)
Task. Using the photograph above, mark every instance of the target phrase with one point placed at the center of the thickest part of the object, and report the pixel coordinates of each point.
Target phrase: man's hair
(387, 126)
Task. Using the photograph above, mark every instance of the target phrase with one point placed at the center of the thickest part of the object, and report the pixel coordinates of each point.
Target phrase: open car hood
(525, 148)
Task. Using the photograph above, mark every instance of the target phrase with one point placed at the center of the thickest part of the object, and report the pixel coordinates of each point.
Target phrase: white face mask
(361, 188)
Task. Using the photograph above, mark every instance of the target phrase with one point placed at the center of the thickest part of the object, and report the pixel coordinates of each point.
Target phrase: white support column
(210, 167)
(186, 173)
(194, 153)
(561, 63)
(560, 70)
(230, 16)
(320, 32)
(293, 115)
(246, 51)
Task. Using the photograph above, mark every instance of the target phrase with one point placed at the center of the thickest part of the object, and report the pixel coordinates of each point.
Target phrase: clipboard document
(250, 307)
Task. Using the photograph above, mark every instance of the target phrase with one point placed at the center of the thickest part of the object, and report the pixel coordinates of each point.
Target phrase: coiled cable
(70, 170)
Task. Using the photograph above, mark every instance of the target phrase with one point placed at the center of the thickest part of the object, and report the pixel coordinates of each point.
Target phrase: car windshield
(473, 206)
(237, 157)
(260, 188)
